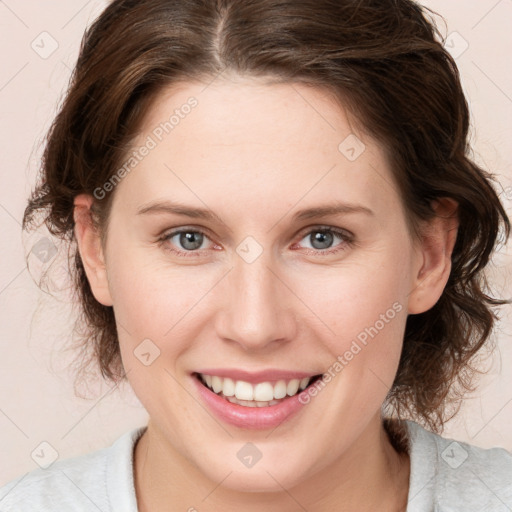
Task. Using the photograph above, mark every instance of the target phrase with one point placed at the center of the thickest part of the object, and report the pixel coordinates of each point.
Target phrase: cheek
(154, 310)
(148, 294)
(156, 301)
(358, 296)
(364, 307)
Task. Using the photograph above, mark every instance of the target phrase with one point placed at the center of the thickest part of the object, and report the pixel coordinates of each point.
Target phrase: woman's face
(257, 285)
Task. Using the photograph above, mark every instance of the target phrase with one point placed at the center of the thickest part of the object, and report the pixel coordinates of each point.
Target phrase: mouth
(266, 393)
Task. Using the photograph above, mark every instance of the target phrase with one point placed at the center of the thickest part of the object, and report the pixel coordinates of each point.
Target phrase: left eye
(321, 239)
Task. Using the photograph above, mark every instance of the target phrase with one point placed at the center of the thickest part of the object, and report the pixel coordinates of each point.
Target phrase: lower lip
(249, 417)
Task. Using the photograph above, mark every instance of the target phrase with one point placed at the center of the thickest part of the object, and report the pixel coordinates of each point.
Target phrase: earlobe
(91, 252)
(435, 250)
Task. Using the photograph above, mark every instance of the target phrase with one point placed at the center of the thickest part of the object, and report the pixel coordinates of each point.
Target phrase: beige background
(37, 402)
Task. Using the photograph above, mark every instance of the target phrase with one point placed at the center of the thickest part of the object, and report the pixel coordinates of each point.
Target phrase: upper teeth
(263, 391)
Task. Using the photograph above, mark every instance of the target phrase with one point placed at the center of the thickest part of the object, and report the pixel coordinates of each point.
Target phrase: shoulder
(454, 475)
(88, 482)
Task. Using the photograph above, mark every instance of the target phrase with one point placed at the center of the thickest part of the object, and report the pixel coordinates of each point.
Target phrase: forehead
(257, 143)
(249, 110)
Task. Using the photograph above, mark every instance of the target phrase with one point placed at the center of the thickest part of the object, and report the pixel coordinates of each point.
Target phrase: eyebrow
(169, 207)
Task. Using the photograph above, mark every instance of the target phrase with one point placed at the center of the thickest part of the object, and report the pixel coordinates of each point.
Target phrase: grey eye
(190, 240)
(321, 239)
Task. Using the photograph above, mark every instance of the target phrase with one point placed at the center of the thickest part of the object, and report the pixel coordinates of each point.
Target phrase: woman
(280, 242)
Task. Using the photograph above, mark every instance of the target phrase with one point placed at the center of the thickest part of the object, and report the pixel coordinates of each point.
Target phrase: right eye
(190, 240)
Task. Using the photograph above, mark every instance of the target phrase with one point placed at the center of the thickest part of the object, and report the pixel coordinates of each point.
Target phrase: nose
(257, 305)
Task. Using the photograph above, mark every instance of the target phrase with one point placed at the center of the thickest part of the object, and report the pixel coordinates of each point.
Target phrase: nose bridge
(258, 310)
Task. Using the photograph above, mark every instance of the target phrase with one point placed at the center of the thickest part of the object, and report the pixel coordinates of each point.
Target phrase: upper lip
(269, 375)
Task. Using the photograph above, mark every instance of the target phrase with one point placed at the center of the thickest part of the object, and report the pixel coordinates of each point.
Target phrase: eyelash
(346, 237)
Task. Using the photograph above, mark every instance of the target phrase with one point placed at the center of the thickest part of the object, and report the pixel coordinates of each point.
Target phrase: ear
(435, 250)
(91, 252)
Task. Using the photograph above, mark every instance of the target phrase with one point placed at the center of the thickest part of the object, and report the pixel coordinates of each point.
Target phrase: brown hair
(384, 60)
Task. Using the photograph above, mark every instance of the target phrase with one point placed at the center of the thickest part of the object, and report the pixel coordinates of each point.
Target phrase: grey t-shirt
(446, 476)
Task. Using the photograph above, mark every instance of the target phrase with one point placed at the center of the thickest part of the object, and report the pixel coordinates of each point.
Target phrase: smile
(262, 394)
(259, 404)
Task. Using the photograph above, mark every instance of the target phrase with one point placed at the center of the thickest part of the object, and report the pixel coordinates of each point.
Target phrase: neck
(371, 475)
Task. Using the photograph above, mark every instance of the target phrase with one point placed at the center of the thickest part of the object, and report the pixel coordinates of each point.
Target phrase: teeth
(216, 384)
(243, 390)
(280, 389)
(228, 387)
(293, 387)
(304, 383)
(252, 403)
(259, 395)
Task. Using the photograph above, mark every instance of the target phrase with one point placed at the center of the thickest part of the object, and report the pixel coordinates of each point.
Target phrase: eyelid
(321, 227)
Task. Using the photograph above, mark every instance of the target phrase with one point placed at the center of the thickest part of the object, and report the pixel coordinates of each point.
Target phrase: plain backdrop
(39, 412)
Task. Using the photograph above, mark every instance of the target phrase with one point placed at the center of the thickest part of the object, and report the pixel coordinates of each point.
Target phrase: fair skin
(255, 154)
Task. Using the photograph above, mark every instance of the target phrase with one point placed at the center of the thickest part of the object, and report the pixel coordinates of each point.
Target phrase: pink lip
(248, 417)
(270, 375)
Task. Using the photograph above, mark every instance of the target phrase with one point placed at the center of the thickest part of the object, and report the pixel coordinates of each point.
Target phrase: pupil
(322, 237)
(194, 239)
